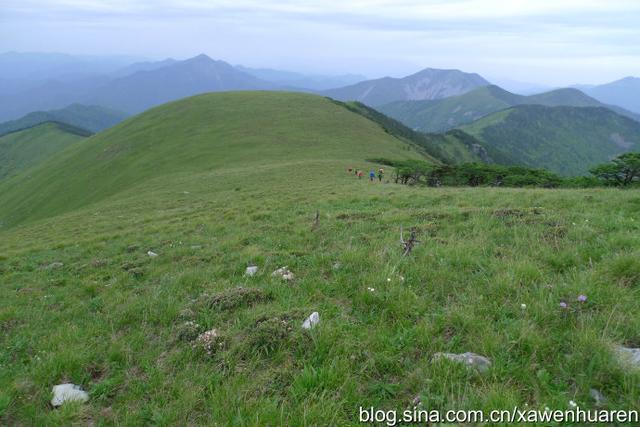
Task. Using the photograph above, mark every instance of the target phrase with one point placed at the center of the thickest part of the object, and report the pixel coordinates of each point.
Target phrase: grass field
(112, 319)
(26, 148)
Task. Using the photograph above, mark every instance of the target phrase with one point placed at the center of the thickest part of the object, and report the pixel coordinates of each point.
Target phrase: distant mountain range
(141, 85)
(311, 82)
(566, 140)
(90, 117)
(448, 113)
(427, 84)
(40, 67)
(145, 89)
(463, 117)
(624, 93)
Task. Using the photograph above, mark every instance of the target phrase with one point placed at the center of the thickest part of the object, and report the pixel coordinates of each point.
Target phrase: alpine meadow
(199, 242)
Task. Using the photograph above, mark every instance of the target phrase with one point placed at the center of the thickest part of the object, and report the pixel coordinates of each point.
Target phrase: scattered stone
(152, 254)
(311, 321)
(196, 247)
(284, 273)
(251, 271)
(472, 360)
(628, 356)
(54, 265)
(597, 396)
(210, 341)
(68, 393)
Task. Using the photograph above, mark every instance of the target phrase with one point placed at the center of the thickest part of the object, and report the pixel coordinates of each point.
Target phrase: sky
(548, 42)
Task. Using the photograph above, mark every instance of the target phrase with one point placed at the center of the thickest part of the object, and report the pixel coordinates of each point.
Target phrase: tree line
(623, 171)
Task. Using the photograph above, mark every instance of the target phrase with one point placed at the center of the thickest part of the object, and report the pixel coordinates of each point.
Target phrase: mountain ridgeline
(236, 132)
(624, 93)
(427, 84)
(26, 148)
(448, 113)
(90, 117)
(565, 140)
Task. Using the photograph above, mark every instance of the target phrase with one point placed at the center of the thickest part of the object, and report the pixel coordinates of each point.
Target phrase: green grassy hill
(448, 113)
(207, 133)
(90, 117)
(566, 140)
(214, 183)
(26, 148)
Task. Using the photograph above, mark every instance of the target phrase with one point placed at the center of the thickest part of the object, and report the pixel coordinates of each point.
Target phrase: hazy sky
(553, 42)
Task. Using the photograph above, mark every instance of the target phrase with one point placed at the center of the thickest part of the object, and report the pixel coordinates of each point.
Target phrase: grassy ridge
(240, 188)
(90, 117)
(202, 133)
(23, 149)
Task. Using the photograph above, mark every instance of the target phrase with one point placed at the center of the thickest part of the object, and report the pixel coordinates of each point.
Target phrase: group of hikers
(372, 174)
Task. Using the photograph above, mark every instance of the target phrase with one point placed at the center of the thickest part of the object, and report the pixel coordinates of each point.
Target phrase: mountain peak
(200, 59)
(427, 84)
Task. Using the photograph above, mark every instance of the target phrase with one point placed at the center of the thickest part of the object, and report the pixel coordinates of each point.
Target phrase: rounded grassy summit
(305, 136)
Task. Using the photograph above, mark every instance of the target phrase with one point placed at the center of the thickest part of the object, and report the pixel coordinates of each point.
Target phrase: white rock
(284, 273)
(251, 271)
(54, 265)
(152, 254)
(68, 393)
(472, 360)
(629, 356)
(288, 276)
(597, 396)
(311, 321)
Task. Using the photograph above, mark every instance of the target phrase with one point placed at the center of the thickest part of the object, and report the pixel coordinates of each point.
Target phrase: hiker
(380, 174)
(372, 175)
(355, 171)
(350, 169)
(359, 173)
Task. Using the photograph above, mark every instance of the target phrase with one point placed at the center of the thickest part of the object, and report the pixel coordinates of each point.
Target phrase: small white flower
(573, 223)
(402, 278)
(572, 404)
(371, 289)
(546, 409)
(388, 279)
(523, 306)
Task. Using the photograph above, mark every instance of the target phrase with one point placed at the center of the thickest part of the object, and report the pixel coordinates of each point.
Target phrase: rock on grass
(68, 393)
(471, 360)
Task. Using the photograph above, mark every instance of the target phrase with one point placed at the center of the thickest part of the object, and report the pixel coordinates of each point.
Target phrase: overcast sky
(555, 42)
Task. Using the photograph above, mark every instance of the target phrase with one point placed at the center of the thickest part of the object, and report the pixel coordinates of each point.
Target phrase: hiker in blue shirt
(372, 175)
